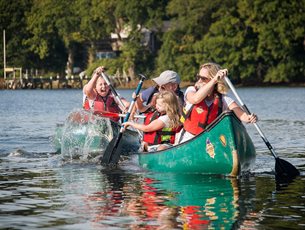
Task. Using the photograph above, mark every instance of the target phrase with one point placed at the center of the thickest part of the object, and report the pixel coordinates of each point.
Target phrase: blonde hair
(172, 107)
(212, 69)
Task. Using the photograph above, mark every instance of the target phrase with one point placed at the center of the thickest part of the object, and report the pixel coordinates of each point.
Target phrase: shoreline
(77, 83)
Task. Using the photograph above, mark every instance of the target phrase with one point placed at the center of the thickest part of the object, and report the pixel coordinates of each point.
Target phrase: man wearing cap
(168, 80)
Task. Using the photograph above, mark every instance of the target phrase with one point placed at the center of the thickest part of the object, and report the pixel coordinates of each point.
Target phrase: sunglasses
(202, 78)
(161, 87)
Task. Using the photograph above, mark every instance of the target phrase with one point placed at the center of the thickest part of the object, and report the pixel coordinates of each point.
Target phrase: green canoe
(85, 135)
(224, 148)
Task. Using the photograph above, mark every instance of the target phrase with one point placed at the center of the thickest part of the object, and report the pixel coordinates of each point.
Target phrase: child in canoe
(161, 125)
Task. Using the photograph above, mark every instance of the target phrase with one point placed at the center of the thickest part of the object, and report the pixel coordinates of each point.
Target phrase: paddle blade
(111, 149)
(283, 169)
(107, 114)
(114, 160)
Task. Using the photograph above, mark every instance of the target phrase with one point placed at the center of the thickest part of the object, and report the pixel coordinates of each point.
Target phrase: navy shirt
(148, 93)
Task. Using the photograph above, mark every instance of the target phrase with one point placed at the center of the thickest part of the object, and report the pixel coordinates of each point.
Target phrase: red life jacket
(200, 115)
(165, 135)
(100, 103)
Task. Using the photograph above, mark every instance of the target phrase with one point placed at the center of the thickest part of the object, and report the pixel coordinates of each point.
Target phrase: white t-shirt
(165, 120)
(226, 100)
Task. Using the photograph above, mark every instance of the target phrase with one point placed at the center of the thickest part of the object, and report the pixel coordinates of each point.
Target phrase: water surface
(38, 190)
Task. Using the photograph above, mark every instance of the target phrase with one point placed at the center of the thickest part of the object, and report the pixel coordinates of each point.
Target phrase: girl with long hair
(163, 124)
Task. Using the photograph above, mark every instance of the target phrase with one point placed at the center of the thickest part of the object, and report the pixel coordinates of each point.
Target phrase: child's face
(160, 106)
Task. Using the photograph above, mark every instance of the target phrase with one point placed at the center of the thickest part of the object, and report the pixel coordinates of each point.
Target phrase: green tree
(281, 37)
(45, 40)
(189, 22)
(51, 21)
(137, 16)
(12, 20)
(231, 43)
(258, 41)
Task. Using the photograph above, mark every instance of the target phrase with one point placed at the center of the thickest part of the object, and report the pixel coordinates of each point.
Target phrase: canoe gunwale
(208, 129)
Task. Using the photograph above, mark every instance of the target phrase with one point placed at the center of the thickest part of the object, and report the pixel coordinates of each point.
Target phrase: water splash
(84, 136)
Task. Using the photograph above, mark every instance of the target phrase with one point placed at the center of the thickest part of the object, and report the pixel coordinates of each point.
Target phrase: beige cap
(168, 76)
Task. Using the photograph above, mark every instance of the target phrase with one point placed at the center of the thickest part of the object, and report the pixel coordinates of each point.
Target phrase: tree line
(258, 41)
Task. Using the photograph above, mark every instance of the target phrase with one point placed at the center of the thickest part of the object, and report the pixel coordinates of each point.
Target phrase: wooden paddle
(282, 168)
(113, 151)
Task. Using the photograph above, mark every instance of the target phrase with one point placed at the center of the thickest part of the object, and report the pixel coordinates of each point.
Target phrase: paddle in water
(113, 151)
(283, 169)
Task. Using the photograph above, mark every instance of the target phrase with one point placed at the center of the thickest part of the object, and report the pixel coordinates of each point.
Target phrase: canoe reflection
(199, 201)
(168, 201)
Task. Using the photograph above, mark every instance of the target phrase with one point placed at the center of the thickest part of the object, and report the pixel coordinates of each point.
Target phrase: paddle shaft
(116, 96)
(113, 91)
(133, 100)
(283, 169)
(245, 108)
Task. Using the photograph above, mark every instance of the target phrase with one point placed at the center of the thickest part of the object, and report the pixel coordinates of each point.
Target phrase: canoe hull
(224, 148)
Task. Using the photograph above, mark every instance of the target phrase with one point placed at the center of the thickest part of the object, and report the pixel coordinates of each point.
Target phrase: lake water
(37, 190)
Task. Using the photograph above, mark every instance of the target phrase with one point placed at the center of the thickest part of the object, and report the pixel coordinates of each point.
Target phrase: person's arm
(89, 88)
(140, 104)
(196, 97)
(241, 114)
(153, 126)
(126, 104)
(144, 97)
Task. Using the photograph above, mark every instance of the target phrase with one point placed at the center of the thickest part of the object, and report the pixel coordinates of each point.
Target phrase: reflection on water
(79, 196)
(194, 201)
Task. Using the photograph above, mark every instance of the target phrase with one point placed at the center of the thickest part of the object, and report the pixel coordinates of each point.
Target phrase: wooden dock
(44, 83)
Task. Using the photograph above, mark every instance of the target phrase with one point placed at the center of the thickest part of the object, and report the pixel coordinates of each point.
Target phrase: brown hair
(172, 107)
(213, 68)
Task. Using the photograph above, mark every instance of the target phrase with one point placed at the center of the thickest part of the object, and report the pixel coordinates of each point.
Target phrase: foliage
(258, 41)
(112, 65)
(280, 30)
(12, 20)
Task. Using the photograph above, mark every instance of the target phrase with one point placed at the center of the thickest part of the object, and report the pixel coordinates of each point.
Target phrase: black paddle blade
(114, 160)
(111, 149)
(285, 170)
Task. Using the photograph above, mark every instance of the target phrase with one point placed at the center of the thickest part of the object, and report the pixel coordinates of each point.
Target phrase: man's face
(168, 86)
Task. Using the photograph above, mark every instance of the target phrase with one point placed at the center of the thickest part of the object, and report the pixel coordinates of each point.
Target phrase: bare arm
(196, 97)
(153, 126)
(140, 103)
(241, 114)
(89, 88)
(126, 104)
